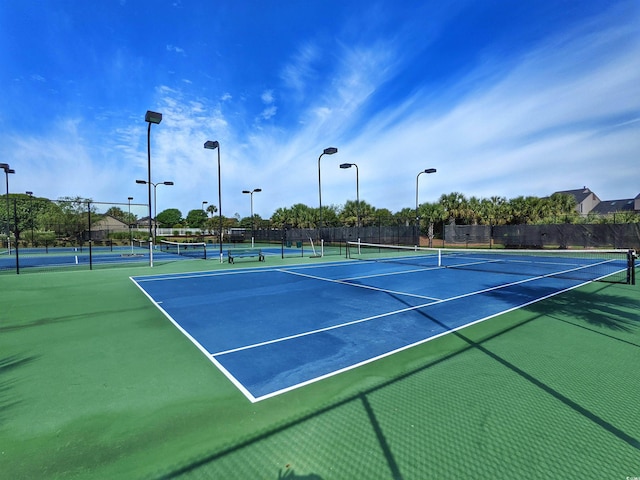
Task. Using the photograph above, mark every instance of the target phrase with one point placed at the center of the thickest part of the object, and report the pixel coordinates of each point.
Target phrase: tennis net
(187, 249)
(615, 266)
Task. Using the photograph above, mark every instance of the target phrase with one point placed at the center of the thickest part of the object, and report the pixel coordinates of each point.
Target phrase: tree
(280, 217)
(211, 209)
(301, 216)
(406, 215)
(349, 214)
(170, 217)
(120, 214)
(453, 205)
(383, 216)
(68, 216)
(495, 210)
(562, 205)
(196, 218)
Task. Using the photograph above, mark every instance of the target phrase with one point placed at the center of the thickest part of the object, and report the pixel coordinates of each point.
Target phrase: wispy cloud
(267, 96)
(173, 48)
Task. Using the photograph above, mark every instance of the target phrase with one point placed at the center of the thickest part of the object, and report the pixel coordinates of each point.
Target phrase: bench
(245, 252)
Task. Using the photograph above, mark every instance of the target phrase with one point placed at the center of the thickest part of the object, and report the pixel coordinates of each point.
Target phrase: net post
(631, 267)
(439, 257)
(151, 252)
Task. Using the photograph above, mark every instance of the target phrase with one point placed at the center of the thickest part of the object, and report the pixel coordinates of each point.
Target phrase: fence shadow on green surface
(360, 401)
(596, 308)
(585, 306)
(7, 399)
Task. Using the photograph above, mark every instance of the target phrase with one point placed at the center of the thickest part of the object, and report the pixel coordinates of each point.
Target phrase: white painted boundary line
(226, 373)
(253, 399)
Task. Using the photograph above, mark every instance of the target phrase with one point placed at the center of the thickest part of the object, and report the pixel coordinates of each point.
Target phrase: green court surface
(96, 383)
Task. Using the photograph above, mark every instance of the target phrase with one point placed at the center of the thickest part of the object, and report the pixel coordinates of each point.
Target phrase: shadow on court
(7, 399)
(260, 447)
(361, 422)
(595, 310)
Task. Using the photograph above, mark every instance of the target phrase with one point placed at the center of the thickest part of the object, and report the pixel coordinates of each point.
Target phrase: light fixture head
(211, 144)
(430, 170)
(167, 183)
(141, 182)
(330, 151)
(346, 165)
(152, 117)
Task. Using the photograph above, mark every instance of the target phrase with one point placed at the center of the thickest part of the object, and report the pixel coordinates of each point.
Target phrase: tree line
(68, 217)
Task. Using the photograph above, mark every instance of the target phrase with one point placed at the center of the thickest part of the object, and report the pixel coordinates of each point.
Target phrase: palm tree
(453, 205)
(280, 216)
(212, 209)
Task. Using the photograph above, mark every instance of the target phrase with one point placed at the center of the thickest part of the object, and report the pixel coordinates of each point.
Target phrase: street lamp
(129, 223)
(150, 117)
(349, 165)
(31, 214)
(428, 170)
(213, 145)
(327, 151)
(155, 206)
(7, 171)
(251, 192)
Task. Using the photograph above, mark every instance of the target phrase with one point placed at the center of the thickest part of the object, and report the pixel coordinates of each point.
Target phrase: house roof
(110, 220)
(580, 194)
(612, 206)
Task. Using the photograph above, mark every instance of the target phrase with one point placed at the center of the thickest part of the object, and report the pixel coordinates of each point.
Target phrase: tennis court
(95, 382)
(87, 256)
(271, 330)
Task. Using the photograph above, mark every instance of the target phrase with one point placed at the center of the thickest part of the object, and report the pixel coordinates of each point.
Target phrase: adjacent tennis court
(271, 330)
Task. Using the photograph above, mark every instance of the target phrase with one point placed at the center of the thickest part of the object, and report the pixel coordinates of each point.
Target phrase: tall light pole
(215, 145)
(251, 192)
(7, 171)
(31, 214)
(155, 205)
(327, 151)
(349, 165)
(129, 223)
(150, 117)
(428, 170)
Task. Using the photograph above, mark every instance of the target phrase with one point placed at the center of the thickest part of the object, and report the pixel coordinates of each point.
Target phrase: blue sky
(504, 98)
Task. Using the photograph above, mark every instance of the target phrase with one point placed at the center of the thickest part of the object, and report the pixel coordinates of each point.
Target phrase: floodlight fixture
(326, 151)
(153, 117)
(213, 145)
(417, 226)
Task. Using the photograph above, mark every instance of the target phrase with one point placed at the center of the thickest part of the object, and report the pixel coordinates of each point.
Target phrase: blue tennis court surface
(271, 330)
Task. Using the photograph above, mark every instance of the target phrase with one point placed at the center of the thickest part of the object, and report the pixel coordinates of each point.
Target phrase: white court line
(346, 324)
(254, 399)
(200, 347)
(368, 287)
